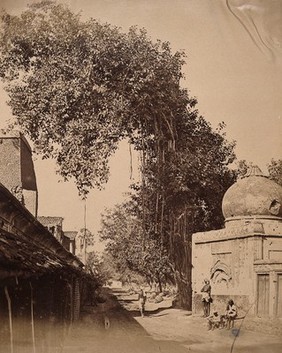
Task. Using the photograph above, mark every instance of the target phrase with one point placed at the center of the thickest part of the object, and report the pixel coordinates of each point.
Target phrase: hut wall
(49, 304)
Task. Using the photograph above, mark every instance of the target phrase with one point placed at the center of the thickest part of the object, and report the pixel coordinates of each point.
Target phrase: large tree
(78, 87)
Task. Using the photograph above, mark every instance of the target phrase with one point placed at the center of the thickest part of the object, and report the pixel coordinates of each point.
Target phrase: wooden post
(10, 318)
(32, 317)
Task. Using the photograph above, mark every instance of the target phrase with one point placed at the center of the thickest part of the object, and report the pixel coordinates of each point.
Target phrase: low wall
(220, 302)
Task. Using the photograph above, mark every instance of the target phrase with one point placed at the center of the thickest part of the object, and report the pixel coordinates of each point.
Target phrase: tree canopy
(78, 87)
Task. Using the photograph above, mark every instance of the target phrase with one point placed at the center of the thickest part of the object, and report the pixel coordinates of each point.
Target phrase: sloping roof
(21, 257)
(50, 220)
(26, 246)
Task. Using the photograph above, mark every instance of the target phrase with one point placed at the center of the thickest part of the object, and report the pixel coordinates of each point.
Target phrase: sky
(234, 68)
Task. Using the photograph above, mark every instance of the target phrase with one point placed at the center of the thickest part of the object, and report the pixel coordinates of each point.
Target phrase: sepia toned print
(140, 176)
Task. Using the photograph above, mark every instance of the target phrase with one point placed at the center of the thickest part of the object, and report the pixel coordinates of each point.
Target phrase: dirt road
(121, 334)
(163, 329)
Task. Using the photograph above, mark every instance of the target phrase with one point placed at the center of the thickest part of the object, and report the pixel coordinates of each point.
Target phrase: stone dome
(253, 195)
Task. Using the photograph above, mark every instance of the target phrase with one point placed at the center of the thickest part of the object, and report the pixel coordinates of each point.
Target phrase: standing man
(141, 301)
(206, 297)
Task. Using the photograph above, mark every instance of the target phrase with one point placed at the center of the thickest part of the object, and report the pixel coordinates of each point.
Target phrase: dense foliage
(77, 88)
(275, 170)
(130, 250)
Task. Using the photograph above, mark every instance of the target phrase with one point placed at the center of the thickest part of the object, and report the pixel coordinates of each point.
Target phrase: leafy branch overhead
(77, 88)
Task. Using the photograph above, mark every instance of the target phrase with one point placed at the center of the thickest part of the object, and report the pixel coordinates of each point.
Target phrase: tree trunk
(159, 283)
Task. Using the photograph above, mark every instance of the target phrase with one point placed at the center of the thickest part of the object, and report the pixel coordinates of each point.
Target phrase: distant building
(17, 170)
(54, 225)
(84, 244)
(243, 261)
(69, 241)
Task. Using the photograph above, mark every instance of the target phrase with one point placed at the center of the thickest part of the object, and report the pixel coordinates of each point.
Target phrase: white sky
(234, 69)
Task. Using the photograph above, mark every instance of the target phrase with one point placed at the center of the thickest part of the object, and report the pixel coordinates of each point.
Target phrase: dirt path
(122, 333)
(163, 329)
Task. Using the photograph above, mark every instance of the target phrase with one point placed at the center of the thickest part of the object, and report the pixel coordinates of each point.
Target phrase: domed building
(243, 261)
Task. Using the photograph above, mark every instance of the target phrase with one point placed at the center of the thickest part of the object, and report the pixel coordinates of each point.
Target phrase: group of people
(215, 320)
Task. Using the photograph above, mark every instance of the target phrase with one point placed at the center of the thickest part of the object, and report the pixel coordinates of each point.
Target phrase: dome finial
(253, 170)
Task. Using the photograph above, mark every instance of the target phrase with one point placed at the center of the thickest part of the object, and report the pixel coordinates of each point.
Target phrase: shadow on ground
(111, 328)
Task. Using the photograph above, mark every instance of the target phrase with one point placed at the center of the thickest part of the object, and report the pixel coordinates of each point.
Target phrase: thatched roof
(23, 258)
(27, 248)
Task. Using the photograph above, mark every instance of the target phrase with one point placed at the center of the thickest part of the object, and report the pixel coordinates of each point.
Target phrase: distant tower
(17, 170)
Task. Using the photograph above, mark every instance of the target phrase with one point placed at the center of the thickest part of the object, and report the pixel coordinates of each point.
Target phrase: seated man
(213, 321)
(223, 321)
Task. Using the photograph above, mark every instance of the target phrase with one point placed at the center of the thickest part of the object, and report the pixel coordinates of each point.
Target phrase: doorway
(263, 295)
(279, 296)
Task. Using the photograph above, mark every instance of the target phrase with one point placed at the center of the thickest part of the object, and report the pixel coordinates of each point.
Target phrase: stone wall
(17, 171)
(228, 264)
(10, 175)
(242, 262)
(219, 304)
